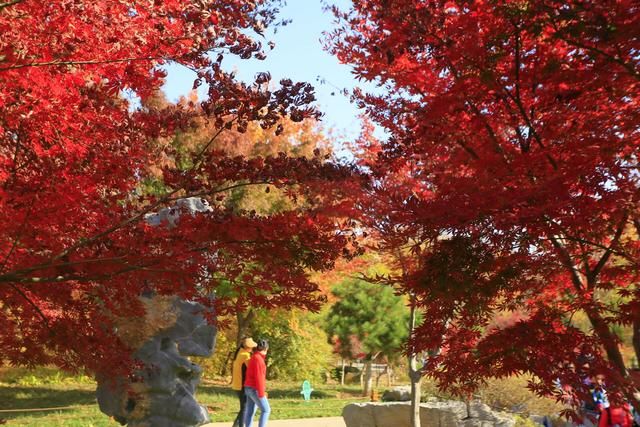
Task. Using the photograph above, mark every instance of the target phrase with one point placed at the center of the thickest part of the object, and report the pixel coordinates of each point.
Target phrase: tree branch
(597, 245)
(86, 62)
(17, 273)
(591, 277)
(200, 156)
(9, 3)
(79, 278)
(17, 239)
(34, 305)
(613, 58)
(468, 149)
(565, 258)
(517, 99)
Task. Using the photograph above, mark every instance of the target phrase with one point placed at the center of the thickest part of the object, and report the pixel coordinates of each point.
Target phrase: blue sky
(298, 55)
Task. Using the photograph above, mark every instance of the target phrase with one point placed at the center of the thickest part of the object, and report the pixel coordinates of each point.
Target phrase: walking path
(307, 422)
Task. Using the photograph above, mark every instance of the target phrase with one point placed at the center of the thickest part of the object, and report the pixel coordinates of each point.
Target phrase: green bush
(522, 421)
(298, 348)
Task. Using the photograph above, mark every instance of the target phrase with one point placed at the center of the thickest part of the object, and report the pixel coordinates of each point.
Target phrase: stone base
(432, 414)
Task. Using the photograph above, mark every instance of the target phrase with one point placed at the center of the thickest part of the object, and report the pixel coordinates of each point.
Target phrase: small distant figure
(306, 390)
(599, 393)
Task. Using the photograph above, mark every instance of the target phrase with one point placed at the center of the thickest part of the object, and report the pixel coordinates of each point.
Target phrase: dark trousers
(239, 422)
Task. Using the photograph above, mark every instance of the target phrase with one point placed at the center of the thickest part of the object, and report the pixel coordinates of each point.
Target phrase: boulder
(443, 413)
(433, 413)
(486, 416)
(397, 394)
(164, 393)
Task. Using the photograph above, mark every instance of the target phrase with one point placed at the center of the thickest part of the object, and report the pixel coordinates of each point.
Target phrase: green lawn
(286, 402)
(50, 388)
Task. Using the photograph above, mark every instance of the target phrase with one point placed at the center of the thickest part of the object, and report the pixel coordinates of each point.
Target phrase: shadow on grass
(276, 392)
(43, 397)
(295, 394)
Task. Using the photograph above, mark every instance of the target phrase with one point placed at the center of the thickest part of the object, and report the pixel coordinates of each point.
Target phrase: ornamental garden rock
(162, 393)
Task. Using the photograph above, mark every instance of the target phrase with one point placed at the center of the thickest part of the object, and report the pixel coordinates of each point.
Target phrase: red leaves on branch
(513, 160)
(76, 149)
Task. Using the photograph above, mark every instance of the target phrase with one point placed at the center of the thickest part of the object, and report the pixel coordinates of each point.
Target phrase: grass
(48, 388)
(285, 399)
(39, 390)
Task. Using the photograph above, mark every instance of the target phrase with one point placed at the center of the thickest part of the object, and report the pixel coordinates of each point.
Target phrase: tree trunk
(380, 374)
(416, 392)
(244, 322)
(609, 342)
(388, 375)
(368, 377)
(636, 338)
(226, 364)
(414, 374)
(342, 373)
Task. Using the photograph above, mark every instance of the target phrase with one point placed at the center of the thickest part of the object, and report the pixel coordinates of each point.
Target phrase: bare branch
(9, 3)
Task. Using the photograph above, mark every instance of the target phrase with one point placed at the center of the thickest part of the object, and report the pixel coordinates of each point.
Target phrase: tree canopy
(80, 138)
(367, 320)
(513, 155)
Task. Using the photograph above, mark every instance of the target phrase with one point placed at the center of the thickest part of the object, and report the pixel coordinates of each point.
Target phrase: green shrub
(522, 421)
(298, 348)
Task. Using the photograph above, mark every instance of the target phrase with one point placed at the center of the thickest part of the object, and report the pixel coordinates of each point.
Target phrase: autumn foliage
(79, 141)
(511, 168)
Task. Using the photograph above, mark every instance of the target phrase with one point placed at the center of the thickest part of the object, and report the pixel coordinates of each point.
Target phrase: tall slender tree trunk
(611, 347)
(414, 374)
(609, 342)
(243, 321)
(226, 365)
(368, 377)
(416, 391)
(636, 338)
(636, 320)
(587, 280)
(342, 373)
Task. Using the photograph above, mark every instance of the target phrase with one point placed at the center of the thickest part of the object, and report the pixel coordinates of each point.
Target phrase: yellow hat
(249, 343)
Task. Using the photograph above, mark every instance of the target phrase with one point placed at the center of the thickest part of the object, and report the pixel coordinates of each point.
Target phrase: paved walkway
(308, 422)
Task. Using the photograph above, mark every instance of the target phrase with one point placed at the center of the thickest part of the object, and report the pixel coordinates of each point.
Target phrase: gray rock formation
(397, 394)
(432, 414)
(163, 392)
(170, 216)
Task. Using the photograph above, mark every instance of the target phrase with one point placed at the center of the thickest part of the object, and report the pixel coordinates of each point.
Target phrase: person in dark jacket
(255, 386)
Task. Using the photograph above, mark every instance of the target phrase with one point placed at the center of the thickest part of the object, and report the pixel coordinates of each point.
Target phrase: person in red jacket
(616, 416)
(255, 386)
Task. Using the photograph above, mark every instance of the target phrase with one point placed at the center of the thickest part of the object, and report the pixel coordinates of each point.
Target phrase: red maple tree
(75, 147)
(515, 126)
